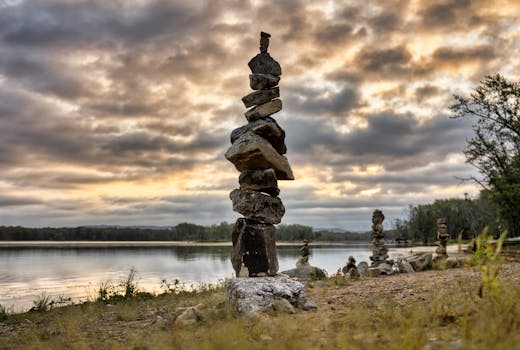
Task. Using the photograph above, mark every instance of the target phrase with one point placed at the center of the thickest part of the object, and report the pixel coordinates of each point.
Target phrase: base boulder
(251, 295)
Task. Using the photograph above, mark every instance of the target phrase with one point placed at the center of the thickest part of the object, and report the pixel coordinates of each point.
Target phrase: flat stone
(263, 63)
(304, 272)
(260, 96)
(263, 81)
(374, 272)
(253, 152)
(189, 316)
(386, 269)
(268, 129)
(259, 180)
(251, 295)
(264, 110)
(254, 248)
(421, 262)
(257, 206)
(405, 266)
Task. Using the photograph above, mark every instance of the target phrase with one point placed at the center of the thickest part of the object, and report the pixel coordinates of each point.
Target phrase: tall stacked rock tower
(257, 152)
(442, 238)
(379, 250)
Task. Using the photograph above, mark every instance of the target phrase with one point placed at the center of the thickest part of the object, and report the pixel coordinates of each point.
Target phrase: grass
(446, 313)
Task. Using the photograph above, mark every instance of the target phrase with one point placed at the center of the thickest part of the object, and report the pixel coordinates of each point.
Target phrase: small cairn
(351, 269)
(379, 250)
(257, 152)
(442, 238)
(304, 255)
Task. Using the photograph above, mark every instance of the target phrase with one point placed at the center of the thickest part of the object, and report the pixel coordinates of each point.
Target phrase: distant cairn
(257, 152)
(379, 250)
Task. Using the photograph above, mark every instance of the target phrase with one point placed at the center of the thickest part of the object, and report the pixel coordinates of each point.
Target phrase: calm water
(77, 273)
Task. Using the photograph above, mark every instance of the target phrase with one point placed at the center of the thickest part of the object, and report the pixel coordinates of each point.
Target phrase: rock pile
(257, 151)
(442, 238)
(379, 250)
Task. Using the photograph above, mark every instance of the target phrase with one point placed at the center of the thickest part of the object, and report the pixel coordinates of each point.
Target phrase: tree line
(466, 217)
(181, 232)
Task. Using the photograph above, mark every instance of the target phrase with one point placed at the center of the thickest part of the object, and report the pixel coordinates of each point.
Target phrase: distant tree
(495, 147)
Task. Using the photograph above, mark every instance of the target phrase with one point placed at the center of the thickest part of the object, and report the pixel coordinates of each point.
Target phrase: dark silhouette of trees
(495, 147)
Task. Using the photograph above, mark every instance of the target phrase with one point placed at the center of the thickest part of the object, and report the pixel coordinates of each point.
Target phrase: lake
(26, 273)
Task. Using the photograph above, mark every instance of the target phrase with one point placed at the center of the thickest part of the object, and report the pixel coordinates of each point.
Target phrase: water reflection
(78, 272)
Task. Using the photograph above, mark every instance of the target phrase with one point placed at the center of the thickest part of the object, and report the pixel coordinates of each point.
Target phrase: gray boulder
(404, 266)
(252, 152)
(251, 295)
(257, 206)
(259, 180)
(263, 63)
(386, 269)
(260, 96)
(266, 128)
(263, 81)
(263, 110)
(363, 268)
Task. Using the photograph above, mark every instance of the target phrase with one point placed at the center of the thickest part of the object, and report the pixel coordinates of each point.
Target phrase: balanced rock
(257, 206)
(263, 63)
(259, 180)
(260, 96)
(251, 295)
(252, 152)
(263, 81)
(254, 248)
(264, 110)
(268, 129)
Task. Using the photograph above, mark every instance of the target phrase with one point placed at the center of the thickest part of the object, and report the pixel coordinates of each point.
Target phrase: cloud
(100, 99)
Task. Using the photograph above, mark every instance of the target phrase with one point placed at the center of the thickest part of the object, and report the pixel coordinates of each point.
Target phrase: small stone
(353, 273)
(257, 206)
(252, 152)
(421, 262)
(263, 110)
(189, 316)
(310, 305)
(405, 266)
(266, 337)
(363, 268)
(259, 180)
(263, 63)
(374, 272)
(260, 96)
(386, 269)
(283, 306)
(268, 129)
(263, 81)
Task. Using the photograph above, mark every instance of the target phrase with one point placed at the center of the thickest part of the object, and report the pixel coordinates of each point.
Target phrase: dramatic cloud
(119, 112)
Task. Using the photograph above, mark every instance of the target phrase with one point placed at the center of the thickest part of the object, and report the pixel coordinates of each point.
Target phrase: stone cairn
(257, 152)
(379, 250)
(442, 238)
(350, 269)
(304, 255)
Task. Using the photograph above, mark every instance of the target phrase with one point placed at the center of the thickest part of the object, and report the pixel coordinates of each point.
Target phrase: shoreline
(148, 244)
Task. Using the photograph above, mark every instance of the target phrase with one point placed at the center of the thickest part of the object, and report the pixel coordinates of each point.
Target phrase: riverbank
(151, 244)
(426, 310)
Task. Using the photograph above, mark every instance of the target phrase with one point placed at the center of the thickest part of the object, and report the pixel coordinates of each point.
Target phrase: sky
(119, 112)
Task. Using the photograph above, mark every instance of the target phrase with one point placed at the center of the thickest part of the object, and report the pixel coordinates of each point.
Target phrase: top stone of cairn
(263, 63)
